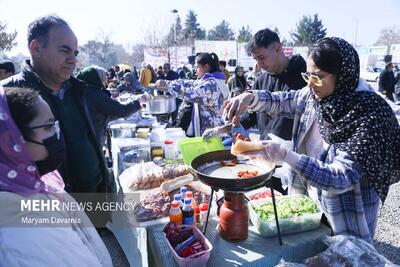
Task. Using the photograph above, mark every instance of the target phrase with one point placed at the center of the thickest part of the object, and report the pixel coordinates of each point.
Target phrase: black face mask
(56, 149)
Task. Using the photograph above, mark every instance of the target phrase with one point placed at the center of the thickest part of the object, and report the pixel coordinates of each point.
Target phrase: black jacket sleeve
(249, 121)
(259, 84)
(382, 81)
(104, 104)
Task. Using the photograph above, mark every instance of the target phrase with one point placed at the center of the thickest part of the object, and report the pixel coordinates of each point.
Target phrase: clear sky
(127, 21)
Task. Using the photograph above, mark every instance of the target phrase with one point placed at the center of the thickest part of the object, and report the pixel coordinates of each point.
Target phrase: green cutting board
(192, 147)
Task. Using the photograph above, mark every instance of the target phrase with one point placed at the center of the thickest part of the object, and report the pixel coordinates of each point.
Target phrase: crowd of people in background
(65, 114)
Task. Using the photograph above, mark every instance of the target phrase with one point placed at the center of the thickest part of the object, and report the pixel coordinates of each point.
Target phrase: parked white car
(371, 73)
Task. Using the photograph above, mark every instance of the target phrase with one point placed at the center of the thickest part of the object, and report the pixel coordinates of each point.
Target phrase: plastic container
(142, 132)
(195, 260)
(261, 193)
(169, 150)
(288, 225)
(157, 134)
(175, 134)
(175, 214)
(122, 130)
(156, 151)
(133, 150)
(157, 137)
(143, 154)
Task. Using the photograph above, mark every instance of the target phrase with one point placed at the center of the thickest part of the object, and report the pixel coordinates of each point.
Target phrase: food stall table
(255, 251)
(133, 240)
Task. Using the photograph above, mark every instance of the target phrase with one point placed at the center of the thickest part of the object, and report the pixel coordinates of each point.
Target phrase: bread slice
(241, 146)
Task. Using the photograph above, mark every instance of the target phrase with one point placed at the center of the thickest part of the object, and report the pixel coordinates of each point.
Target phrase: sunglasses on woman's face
(316, 80)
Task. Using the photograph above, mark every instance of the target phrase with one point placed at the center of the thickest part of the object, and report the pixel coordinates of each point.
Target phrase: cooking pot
(122, 130)
(162, 104)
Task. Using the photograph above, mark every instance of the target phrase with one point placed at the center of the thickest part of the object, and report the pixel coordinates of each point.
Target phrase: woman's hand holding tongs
(217, 131)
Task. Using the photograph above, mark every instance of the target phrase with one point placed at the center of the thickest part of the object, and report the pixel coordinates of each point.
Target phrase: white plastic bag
(357, 251)
(142, 176)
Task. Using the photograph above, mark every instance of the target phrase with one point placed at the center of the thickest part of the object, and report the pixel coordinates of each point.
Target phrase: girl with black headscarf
(237, 81)
(345, 138)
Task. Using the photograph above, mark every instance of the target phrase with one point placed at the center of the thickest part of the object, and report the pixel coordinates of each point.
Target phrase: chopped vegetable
(264, 195)
(231, 163)
(247, 174)
(287, 207)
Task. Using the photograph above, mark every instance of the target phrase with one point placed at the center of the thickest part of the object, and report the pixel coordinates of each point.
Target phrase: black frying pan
(207, 165)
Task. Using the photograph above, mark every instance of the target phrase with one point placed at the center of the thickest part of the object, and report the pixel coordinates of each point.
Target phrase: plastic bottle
(177, 197)
(169, 150)
(188, 212)
(203, 212)
(197, 216)
(189, 194)
(175, 214)
(183, 191)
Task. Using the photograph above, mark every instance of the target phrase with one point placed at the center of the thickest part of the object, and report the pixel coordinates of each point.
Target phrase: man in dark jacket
(387, 81)
(54, 48)
(283, 74)
(101, 107)
(171, 75)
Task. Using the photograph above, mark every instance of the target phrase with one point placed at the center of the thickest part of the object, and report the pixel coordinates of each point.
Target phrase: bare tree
(137, 55)
(7, 40)
(389, 36)
(100, 51)
(155, 33)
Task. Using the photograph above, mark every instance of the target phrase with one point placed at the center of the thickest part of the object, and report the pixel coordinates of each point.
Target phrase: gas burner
(234, 211)
(234, 217)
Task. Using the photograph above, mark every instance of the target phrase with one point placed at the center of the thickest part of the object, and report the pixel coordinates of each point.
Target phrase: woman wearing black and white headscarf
(345, 137)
